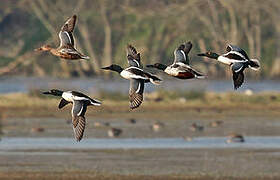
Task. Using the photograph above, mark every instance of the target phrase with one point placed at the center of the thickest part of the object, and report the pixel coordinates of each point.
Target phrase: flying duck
(238, 60)
(180, 68)
(66, 50)
(137, 76)
(79, 107)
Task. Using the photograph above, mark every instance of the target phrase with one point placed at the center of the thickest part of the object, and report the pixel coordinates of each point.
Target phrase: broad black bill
(47, 92)
(202, 54)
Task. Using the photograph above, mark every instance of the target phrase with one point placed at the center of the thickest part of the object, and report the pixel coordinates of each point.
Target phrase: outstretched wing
(238, 50)
(237, 74)
(62, 103)
(181, 53)
(133, 57)
(136, 92)
(78, 119)
(65, 34)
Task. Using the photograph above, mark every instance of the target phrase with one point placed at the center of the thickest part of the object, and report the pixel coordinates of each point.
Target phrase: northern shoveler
(181, 66)
(66, 50)
(137, 76)
(80, 103)
(131, 121)
(114, 132)
(195, 127)
(157, 126)
(101, 124)
(238, 60)
(215, 123)
(235, 138)
(37, 129)
(187, 138)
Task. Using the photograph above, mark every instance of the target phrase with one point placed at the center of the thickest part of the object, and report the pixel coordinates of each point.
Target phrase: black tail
(254, 64)
(153, 79)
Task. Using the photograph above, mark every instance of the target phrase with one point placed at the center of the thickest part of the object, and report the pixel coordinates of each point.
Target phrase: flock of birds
(235, 57)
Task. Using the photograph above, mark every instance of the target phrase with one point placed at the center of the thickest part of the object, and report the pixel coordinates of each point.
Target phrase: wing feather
(181, 53)
(133, 57)
(62, 103)
(78, 118)
(136, 93)
(65, 35)
(237, 74)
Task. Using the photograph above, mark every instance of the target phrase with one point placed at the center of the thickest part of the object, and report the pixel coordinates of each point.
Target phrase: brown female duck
(66, 49)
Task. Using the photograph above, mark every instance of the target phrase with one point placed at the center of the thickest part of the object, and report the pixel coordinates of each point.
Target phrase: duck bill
(106, 68)
(150, 66)
(201, 54)
(47, 92)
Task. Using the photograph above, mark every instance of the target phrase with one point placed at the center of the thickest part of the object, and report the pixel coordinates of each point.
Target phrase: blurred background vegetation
(154, 27)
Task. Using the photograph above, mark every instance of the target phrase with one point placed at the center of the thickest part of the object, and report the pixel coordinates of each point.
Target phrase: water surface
(24, 84)
(254, 142)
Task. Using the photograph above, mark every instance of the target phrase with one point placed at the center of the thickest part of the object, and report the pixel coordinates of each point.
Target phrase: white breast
(171, 71)
(67, 96)
(126, 74)
(224, 60)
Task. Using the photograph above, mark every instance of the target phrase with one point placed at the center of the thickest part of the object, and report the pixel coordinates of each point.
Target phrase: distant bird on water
(66, 49)
(137, 76)
(80, 103)
(114, 132)
(180, 68)
(157, 126)
(233, 138)
(215, 123)
(238, 60)
(195, 127)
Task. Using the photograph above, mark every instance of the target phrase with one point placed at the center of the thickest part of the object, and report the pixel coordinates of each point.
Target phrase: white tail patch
(97, 103)
(156, 82)
(85, 57)
(200, 76)
(257, 62)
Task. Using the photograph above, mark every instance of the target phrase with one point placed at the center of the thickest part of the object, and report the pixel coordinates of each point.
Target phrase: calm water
(156, 143)
(24, 84)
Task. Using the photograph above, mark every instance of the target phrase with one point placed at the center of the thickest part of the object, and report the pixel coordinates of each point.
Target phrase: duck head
(114, 67)
(44, 48)
(157, 65)
(209, 54)
(54, 92)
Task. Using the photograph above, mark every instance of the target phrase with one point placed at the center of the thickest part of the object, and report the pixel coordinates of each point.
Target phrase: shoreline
(36, 105)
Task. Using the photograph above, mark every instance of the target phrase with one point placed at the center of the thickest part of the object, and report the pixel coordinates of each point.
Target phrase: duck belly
(185, 75)
(224, 60)
(128, 75)
(179, 73)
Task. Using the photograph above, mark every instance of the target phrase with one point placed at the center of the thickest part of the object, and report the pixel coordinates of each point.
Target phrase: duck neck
(117, 69)
(58, 93)
(214, 56)
(161, 67)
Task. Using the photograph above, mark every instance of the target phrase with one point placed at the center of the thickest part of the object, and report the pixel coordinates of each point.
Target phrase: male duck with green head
(238, 60)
